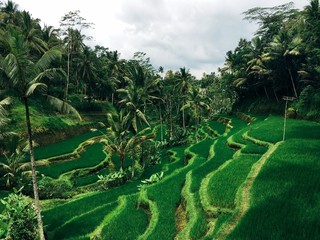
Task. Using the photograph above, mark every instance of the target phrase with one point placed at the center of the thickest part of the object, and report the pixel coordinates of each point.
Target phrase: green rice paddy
(212, 189)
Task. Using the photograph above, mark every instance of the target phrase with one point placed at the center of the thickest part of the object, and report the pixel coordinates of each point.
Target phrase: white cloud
(174, 33)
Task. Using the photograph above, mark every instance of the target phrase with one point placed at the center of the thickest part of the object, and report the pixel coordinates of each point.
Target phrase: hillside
(238, 183)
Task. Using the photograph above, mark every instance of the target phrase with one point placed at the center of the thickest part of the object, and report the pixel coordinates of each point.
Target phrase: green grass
(89, 179)
(91, 157)
(56, 217)
(202, 148)
(63, 147)
(128, 224)
(286, 195)
(252, 148)
(59, 215)
(216, 126)
(75, 227)
(224, 184)
(271, 130)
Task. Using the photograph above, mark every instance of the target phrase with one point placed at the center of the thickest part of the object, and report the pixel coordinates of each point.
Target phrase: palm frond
(62, 106)
(134, 124)
(3, 103)
(12, 67)
(187, 105)
(142, 117)
(240, 81)
(47, 58)
(41, 86)
(51, 74)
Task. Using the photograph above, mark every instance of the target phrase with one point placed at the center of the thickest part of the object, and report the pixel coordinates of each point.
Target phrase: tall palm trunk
(68, 78)
(170, 116)
(122, 157)
(161, 127)
(33, 170)
(292, 82)
(183, 115)
(183, 120)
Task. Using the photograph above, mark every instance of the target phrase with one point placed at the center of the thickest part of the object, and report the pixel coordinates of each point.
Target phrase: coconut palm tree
(86, 70)
(120, 139)
(131, 102)
(14, 167)
(183, 85)
(10, 10)
(140, 91)
(197, 103)
(25, 75)
(283, 51)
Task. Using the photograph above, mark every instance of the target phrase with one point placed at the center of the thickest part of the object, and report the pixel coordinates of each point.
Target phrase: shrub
(54, 188)
(18, 220)
(151, 153)
(154, 178)
(114, 179)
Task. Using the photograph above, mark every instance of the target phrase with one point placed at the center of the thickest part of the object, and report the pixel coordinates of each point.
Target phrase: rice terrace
(97, 147)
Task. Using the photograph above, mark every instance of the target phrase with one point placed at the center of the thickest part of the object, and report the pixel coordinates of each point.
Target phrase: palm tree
(131, 102)
(86, 71)
(14, 167)
(257, 69)
(24, 76)
(197, 103)
(49, 35)
(10, 10)
(283, 51)
(183, 85)
(32, 33)
(120, 140)
(139, 92)
(74, 44)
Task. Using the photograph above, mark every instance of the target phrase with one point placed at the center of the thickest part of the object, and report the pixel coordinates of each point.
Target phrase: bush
(114, 179)
(308, 104)
(18, 220)
(54, 188)
(179, 137)
(138, 169)
(81, 104)
(151, 153)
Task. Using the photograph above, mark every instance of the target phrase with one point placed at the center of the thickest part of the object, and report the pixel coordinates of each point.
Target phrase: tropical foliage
(163, 127)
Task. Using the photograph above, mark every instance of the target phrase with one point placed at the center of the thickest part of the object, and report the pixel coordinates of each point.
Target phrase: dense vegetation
(166, 155)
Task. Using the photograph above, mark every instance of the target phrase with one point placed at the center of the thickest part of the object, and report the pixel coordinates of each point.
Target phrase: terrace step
(145, 202)
(96, 234)
(76, 222)
(243, 193)
(69, 156)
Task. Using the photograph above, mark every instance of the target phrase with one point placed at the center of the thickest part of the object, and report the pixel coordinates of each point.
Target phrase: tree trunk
(161, 134)
(170, 114)
(132, 168)
(266, 92)
(122, 157)
(183, 121)
(33, 171)
(68, 76)
(293, 85)
(275, 94)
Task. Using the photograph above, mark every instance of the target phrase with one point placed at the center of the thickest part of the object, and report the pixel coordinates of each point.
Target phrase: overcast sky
(195, 34)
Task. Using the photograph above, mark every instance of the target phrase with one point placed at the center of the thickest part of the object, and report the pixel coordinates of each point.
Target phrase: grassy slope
(286, 194)
(284, 175)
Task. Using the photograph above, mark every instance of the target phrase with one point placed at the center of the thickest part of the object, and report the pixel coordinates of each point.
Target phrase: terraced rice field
(240, 181)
